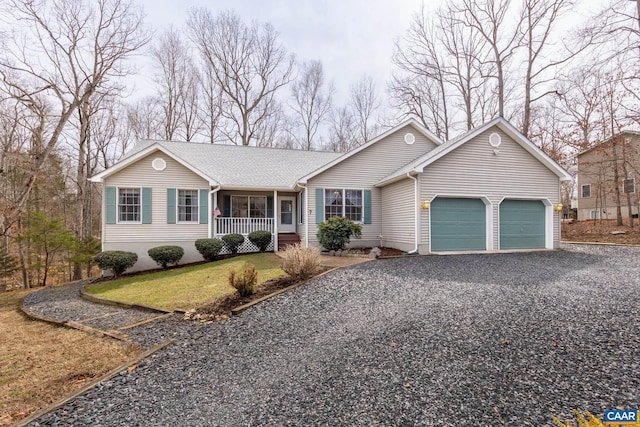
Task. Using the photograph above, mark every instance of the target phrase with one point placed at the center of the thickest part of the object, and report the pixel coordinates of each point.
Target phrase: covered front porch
(243, 212)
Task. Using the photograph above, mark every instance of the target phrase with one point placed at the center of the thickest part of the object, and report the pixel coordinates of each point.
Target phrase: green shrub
(209, 248)
(116, 261)
(335, 233)
(261, 239)
(299, 262)
(165, 255)
(245, 283)
(233, 242)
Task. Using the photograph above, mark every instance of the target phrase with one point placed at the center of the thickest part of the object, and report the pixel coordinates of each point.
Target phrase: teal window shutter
(203, 210)
(367, 206)
(110, 205)
(269, 206)
(146, 205)
(171, 205)
(319, 205)
(226, 212)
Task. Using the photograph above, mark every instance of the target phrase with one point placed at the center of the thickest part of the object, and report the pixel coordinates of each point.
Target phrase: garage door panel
(522, 224)
(458, 224)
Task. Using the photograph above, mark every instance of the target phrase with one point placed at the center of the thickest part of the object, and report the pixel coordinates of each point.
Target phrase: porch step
(286, 239)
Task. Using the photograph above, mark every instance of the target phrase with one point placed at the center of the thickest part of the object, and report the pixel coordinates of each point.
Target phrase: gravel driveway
(482, 340)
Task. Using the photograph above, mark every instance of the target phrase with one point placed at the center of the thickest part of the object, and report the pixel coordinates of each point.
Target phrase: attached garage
(522, 224)
(458, 224)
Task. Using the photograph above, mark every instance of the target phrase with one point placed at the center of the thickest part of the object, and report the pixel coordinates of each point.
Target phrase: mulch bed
(221, 308)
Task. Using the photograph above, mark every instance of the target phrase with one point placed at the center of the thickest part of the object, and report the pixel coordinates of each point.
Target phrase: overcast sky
(350, 37)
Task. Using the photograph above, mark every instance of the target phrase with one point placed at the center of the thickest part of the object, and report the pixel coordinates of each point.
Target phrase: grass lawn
(40, 362)
(187, 287)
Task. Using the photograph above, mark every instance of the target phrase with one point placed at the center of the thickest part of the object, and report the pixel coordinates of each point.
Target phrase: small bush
(335, 233)
(116, 261)
(245, 283)
(261, 239)
(209, 248)
(165, 255)
(233, 242)
(299, 262)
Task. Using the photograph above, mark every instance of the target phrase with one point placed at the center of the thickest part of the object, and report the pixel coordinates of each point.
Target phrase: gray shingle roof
(240, 166)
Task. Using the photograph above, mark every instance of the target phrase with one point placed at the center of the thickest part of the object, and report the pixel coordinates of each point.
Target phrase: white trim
(488, 217)
(324, 212)
(197, 221)
(413, 122)
(275, 219)
(548, 218)
(212, 223)
(142, 153)
(294, 213)
(118, 222)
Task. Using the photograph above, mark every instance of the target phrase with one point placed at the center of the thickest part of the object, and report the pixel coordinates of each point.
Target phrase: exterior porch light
(425, 205)
(558, 207)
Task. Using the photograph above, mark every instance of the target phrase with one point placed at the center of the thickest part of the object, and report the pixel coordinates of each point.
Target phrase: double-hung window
(586, 191)
(343, 202)
(129, 205)
(629, 185)
(188, 206)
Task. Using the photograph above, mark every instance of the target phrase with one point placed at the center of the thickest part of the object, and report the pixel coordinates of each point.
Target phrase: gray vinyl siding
(474, 170)
(362, 171)
(398, 215)
(141, 174)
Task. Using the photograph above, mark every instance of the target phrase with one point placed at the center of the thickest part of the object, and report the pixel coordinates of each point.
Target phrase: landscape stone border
(63, 401)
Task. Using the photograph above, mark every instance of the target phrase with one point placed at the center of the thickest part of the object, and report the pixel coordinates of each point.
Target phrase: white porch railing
(242, 225)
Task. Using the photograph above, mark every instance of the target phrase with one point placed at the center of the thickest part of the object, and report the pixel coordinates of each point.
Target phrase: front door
(286, 215)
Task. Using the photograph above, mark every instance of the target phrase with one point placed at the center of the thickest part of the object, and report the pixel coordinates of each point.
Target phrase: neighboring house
(490, 189)
(597, 195)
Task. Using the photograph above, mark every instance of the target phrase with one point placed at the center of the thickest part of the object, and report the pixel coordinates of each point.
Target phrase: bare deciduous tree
(249, 65)
(364, 104)
(312, 101)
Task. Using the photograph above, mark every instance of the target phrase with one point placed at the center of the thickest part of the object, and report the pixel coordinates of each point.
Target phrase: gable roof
(608, 141)
(419, 127)
(418, 165)
(232, 166)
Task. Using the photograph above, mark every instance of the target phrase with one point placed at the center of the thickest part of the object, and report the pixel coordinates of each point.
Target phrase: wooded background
(67, 111)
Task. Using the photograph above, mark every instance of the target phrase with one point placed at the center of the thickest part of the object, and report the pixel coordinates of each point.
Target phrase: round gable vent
(409, 138)
(159, 164)
(495, 140)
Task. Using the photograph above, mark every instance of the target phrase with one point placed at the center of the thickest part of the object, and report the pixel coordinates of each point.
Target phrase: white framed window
(129, 205)
(343, 202)
(594, 214)
(188, 206)
(586, 191)
(629, 185)
(249, 206)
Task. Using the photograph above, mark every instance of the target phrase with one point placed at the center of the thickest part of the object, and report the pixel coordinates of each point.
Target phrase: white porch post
(275, 220)
(215, 220)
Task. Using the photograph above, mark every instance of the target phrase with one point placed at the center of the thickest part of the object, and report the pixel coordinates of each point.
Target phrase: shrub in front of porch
(166, 255)
(233, 242)
(209, 248)
(261, 239)
(336, 232)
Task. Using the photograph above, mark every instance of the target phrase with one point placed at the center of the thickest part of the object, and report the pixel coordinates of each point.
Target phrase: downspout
(211, 223)
(417, 213)
(306, 214)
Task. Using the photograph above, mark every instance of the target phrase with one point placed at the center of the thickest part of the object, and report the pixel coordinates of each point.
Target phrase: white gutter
(215, 202)
(417, 212)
